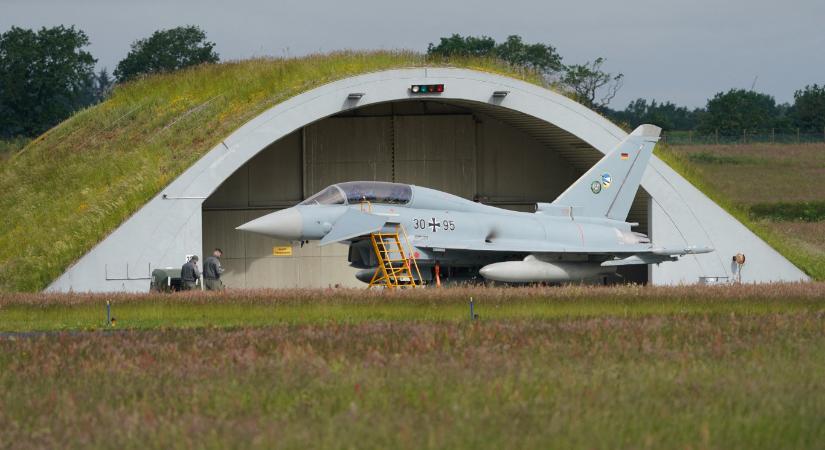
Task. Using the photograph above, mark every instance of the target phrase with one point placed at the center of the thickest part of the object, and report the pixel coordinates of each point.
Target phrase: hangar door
(433, 151)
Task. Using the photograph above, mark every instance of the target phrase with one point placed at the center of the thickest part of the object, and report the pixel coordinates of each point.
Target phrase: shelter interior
(478, 151)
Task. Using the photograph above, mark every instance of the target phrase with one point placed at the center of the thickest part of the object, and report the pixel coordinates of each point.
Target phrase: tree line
(46, 75)
(733, 112)
(587, 83)
(726, 113)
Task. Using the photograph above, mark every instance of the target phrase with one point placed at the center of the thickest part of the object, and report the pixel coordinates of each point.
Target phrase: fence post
(745, 136)
(797, 135)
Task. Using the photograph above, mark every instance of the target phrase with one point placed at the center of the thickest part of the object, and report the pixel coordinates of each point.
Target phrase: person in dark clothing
(212, 270)
(189, 274)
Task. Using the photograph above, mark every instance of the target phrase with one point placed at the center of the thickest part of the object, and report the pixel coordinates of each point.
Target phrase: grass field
(739, 177)
(11, 146)
(574, 367)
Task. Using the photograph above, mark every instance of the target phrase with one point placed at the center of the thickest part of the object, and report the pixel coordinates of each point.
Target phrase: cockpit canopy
(354, 192)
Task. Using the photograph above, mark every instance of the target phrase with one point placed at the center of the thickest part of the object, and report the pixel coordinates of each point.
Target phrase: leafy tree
(585, 80)
(98, 88)
(540, 57)
(808, 111)
(666, 115)
(166, 51)
(785, 120)
(588, 80)
(44, 77)
(103, 85)
(739, 109)
(456, 45)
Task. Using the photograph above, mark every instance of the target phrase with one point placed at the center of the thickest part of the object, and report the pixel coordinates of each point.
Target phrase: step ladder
(395, 268)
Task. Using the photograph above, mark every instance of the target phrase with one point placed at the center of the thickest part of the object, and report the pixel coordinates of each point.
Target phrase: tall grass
(77, 182)
(803, 256)
(10, 146)
(569, 367)
(716, 380)
(56, 312)
(785, 211)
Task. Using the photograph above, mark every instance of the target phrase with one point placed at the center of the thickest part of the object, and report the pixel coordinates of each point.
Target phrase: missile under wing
(582, 234)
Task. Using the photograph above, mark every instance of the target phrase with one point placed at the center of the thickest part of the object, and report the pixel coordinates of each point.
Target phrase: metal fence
(742, 137)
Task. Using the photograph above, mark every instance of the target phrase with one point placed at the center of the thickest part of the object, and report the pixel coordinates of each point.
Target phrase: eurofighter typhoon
(581, 235)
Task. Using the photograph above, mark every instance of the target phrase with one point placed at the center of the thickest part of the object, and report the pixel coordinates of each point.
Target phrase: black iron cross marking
(434, 224)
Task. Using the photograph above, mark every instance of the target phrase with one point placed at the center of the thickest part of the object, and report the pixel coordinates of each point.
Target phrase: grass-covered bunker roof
(76, 183)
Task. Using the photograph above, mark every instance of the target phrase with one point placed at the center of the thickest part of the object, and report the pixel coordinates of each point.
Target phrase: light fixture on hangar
(427, 88)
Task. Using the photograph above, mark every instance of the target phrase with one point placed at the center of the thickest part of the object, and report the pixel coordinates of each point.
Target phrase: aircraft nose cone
(286, 224)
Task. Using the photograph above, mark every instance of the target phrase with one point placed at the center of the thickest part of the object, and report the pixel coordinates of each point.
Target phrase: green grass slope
(66, 190)
(772, 188)
(10, 147)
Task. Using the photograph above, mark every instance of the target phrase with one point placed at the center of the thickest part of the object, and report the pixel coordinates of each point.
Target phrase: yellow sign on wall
(282, 251)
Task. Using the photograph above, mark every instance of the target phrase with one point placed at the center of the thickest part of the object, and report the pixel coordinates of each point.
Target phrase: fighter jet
(581, 235)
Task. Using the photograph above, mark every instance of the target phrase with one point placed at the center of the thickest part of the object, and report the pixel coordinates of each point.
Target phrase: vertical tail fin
(608, 188)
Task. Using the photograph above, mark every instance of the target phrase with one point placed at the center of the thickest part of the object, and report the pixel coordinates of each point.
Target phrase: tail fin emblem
(607, 180)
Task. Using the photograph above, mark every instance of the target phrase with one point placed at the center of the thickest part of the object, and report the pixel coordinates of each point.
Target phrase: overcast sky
(680, 51)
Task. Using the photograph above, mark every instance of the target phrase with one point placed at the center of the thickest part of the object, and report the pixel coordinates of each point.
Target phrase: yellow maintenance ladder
(395, 267)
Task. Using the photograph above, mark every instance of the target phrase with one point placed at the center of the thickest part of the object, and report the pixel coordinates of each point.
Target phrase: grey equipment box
(165, 280)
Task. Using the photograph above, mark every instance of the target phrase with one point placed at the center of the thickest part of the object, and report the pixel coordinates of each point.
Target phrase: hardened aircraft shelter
(486, 137)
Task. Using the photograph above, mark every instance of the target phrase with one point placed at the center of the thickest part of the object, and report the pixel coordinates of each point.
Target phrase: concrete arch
(169, 225)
